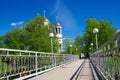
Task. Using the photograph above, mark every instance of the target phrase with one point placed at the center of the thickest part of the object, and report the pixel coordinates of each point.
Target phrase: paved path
(62, 73)
(86, 73)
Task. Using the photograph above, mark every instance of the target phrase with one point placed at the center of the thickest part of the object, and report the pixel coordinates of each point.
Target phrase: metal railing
(23, 64)
(106, 59)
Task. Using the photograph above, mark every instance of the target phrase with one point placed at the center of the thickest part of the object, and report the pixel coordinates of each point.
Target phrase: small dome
(57, 24)
(46, 20)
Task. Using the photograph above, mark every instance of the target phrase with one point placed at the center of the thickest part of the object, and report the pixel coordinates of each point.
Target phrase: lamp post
(51, 35)
(95, 31)
(90, 50)
(71, 49)
(58, 44)
(76, 50)
(92, 46)
(71, 52)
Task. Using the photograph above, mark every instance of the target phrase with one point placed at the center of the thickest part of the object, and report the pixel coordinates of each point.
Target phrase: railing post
(14, 65)
(7, 53)
(116, 43)
(20, 63)
(108, 47)
(108, 59)
(63, 59)
(6, 65)
(55, 60)
(36, 63)
(7, 77)
(29, 63)
(117, 74)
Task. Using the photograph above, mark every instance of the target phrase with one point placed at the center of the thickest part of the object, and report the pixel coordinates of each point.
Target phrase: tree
(66, 43)
(15, 39)
(38, 35)
(79, 44)
(34, 36)
(2, 41)
(78, 41)
(106, 31)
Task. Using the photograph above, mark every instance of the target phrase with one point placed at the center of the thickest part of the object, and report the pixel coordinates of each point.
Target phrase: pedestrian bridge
(103, 64)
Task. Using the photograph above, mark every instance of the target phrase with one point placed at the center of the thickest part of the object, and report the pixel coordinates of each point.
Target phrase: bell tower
(58, 34)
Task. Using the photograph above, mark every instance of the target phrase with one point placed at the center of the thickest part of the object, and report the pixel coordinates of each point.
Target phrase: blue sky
(71, 13)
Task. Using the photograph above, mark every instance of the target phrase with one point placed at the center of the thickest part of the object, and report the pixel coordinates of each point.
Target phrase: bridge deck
(86, 73)
(63, 73)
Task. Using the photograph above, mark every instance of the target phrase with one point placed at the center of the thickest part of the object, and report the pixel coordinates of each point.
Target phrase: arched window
(56, 30)
(59, 30)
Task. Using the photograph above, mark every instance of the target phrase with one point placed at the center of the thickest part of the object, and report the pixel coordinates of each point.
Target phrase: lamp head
(51, 35)
(95, 30)
(91, 44)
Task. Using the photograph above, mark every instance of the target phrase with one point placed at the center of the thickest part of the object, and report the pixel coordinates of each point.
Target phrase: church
(57, 30)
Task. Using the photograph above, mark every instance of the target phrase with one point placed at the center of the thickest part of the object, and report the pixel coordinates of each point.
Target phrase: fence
(106, 59)
(23, 64)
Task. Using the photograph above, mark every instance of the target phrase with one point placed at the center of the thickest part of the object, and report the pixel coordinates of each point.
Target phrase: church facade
(57, 30)
(58, 34)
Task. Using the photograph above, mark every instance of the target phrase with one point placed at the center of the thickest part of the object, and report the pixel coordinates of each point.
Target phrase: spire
(44, 13)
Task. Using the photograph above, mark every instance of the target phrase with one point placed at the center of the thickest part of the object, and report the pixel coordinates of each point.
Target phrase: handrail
(107, 58)
(26, 51)
(24, 64)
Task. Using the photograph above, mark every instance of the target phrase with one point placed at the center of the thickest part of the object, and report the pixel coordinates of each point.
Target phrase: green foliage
(55, 44)
(78, 41)
(34, 36)
(2, 41)
(70, 50)
(78, 44)
(38, 35)
(15, 39)
(66, 43)
(106, 31)
(74, 50)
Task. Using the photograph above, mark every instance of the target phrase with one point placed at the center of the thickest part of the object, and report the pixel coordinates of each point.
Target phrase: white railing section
(107, 58)
(23, 64)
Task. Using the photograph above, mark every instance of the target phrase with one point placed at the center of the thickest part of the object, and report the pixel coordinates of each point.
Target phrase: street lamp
(51, 35)
(76, 50)
(92, 46)
(58, 44)
(95, 31)
(71, 49)
(90, 50)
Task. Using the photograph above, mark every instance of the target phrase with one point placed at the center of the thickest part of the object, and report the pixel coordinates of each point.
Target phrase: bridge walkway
(67, 71)
(86, 72)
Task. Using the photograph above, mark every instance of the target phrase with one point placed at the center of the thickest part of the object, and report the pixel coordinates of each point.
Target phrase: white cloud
(20, 23)
(17, 23)
(13, 24)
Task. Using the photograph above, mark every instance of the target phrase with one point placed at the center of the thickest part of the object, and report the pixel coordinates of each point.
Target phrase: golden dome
(57, 24)
(46, 21)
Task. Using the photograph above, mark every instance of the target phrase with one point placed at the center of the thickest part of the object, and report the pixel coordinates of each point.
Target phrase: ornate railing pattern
(20, 63)
(107, 59)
